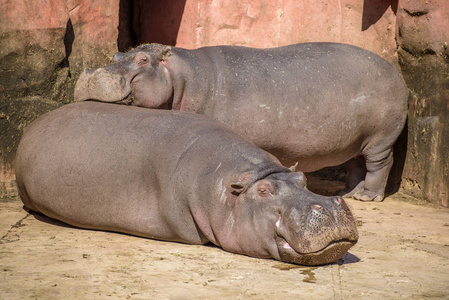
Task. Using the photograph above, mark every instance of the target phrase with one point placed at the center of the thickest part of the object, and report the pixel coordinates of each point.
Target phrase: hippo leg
(377, 169)
(356, 169)
(356, 172)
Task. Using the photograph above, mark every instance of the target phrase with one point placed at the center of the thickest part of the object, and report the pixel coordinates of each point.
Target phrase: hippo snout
(101, 85)
(316, 233)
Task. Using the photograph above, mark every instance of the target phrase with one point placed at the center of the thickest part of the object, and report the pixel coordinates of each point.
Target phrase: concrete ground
(403, 253)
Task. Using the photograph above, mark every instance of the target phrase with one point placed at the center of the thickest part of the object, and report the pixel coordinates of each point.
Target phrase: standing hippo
(178, 177)
(315, 104)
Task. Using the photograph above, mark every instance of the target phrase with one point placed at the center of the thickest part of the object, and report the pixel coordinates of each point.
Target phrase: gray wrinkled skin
(175, 176)
(318, 104)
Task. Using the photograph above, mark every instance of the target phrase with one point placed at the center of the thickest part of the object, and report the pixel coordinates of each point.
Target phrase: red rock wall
(28, 41)
(32, 36)
(270, 23)
(423, 37)
(95, 28)
(44, 45)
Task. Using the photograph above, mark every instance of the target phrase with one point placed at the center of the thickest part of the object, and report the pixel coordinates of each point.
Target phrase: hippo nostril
(316, 206)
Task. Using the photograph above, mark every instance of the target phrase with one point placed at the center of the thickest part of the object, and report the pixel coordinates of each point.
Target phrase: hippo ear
(293, 168)
(300, 179)
(265, 188)
(165, 54)
(141, 59)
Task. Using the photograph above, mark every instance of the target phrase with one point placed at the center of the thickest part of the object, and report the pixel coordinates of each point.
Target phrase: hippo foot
(366, 196)
(361, 194)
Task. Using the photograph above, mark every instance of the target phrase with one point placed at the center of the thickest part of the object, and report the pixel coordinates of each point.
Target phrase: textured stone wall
(269, 23)
(423, 37)
(44, 45)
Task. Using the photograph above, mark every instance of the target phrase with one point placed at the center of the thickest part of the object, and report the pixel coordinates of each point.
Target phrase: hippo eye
(143, 60)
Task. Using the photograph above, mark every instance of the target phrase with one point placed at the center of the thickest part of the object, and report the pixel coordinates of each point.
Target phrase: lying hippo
(317, 104)
(179, 177)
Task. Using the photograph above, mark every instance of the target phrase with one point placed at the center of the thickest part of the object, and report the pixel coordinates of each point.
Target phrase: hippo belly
(178, 177)
(315, 144)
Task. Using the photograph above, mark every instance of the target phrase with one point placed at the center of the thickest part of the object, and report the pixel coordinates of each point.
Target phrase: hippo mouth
(128, 100)
(329, 254)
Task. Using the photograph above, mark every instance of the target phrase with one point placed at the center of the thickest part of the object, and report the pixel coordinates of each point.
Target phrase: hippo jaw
(329, 254)
(316, 236)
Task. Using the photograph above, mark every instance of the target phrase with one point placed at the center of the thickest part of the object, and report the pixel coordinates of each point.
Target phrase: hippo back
(135, 166)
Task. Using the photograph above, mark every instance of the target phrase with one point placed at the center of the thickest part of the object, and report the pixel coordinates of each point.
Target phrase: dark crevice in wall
(418, 53)
(416, 13)
(142, 21)
(126, 37)
(399, 156)
(373, 10)
(69, 37)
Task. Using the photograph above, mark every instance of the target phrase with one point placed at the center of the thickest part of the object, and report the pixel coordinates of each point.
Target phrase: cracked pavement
(403, 253)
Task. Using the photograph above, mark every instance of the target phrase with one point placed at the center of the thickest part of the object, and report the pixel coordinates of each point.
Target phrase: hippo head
(293, 224)
(137, 77)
